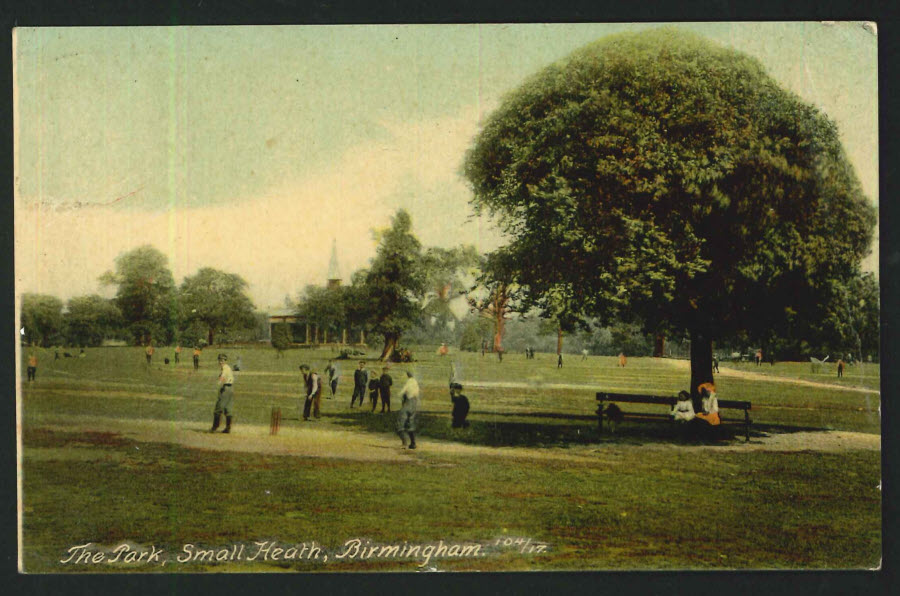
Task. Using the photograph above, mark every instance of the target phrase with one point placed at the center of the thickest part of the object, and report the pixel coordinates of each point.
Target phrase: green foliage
(91, 319)
(659, 178)
(475, 330)
(146, 294)
(42, 319)
(395, 282)
(324, 307)
(281, 337)
(217, 301)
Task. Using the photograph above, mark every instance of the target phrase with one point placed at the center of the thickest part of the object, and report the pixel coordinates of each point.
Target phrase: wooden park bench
(669, 402)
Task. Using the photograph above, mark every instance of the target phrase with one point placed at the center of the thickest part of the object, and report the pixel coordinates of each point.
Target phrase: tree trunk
(701, 363)
(390, 344)
(210, 337)
(659, 347)
(558, 340)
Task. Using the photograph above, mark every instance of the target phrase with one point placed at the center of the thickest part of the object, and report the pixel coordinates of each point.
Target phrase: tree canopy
(395, 282)
(42, 319)
(659, 178)
(146, 294)
(91, 319)
(217, 300)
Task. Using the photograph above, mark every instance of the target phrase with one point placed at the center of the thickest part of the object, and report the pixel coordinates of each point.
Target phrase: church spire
(334, 273)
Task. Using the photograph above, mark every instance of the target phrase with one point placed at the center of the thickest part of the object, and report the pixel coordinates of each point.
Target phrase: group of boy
(312, 393)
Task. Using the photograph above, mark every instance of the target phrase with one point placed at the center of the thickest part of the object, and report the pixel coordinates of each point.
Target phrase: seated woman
(710, 405)
(683, 410)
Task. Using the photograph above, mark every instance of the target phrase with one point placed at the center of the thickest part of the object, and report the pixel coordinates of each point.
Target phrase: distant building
(300, 327)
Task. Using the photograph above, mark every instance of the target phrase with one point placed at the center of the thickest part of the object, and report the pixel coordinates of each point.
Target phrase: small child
(683, 410)
(460, 406)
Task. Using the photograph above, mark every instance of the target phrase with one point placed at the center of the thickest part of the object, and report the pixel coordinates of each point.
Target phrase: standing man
(559, 360)
(313, 389)
(360, 382)
(177, 353)
(226, 395)
(715, 363)
(32, 366)
(333, 375)
(384, 388)
(622, 359)
(149, 352)
(197, 358)
(840, 364)
(406, 419)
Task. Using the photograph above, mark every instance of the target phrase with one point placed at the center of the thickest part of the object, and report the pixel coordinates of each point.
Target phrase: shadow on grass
(496, 429)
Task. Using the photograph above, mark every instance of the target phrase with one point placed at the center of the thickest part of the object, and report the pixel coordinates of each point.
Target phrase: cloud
(280, 240)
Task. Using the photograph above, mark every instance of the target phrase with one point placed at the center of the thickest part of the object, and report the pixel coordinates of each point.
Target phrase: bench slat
(658, 399)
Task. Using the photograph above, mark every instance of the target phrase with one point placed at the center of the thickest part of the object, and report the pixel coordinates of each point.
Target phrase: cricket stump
(275, 421)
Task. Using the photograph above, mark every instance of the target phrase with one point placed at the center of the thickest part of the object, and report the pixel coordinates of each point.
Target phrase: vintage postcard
(447, 297)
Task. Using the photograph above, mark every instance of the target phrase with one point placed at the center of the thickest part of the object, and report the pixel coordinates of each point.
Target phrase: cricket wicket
(275, 421)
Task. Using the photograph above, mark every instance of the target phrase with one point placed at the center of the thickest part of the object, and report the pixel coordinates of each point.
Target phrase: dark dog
(613, 416)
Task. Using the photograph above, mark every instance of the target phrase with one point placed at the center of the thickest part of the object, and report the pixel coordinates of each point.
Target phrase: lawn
(531, 466)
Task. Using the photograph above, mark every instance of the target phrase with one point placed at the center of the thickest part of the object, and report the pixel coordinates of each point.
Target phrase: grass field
(114, 453)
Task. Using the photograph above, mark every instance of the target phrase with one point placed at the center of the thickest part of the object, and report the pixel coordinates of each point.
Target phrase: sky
(250, 149)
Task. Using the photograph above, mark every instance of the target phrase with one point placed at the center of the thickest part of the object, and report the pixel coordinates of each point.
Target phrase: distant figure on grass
(81, 354)
(56, 355)
(177, 353)
(840, 368)
(313, 391)
(226, 396)
(715, 363)
(406, 418)
(149, 352)
(333, 375)
(709, 411)
(622, 360)
(238, 365)
(360, 382)
(460, 406)
(384, 388)
(32, 366)
(559, 360)
(500, 354)
(197, 358)
(443, 350)
(683, 410)
(584, 355)
(759, 356)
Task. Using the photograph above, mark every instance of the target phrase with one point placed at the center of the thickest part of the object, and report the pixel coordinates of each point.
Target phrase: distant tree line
(207, 307)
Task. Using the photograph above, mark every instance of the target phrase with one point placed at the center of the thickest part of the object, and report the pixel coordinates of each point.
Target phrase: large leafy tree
(662, 179)
(395, 282)
(217, 301)
(146, 294)
(42, 319)
(91, 319)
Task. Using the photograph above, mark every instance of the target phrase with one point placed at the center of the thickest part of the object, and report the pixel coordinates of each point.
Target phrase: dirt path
(321, 440)
(752, 376)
